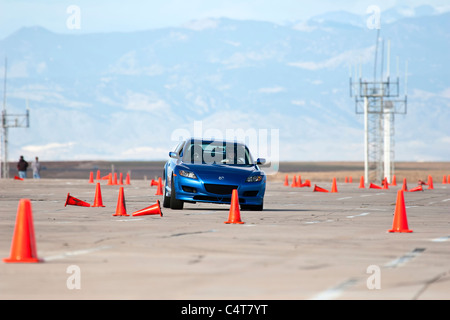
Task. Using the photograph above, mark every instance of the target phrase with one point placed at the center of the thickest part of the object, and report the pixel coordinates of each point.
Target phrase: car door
(172, 163)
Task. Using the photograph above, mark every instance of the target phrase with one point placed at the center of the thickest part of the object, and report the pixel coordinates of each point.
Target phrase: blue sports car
(208, 171)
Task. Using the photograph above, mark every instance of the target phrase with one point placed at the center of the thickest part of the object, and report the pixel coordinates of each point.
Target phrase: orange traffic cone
(23, 246)
(153, 209)
(319, 189)
(121, 209)
(418, 188)
(385, 184)
(91, 177)
(286, 181)
(98, 201)
(127, 180)
(294, 182)
(334, 187)
(400, 223)
(444, 179)
(235, 214)
(350, 179)
(430, 183)
(159, 191)
(361, 183)
(374, 186)
(299, 181)
(394, 180)
(346, 180)
(115, 179)
(153, 183)
(75, 202)
(98, 175)
(404, 187)
(306, 184)
(110, 180)
(17, 178)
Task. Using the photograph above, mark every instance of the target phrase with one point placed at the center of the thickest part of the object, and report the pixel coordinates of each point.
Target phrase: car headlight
(254, 178)
(187, 174)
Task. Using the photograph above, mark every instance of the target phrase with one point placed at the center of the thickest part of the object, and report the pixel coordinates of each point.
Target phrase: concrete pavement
(304, 245)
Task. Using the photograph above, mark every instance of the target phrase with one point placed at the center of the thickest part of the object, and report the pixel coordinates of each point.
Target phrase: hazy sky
(107, 15)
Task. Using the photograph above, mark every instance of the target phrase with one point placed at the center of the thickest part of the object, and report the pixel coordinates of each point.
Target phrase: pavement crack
(430, 282)
(189, 233)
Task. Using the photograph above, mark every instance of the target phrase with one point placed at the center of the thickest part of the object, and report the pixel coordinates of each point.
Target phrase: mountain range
(131, 96)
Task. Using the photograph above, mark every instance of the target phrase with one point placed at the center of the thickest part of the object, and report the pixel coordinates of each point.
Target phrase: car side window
(179, 149)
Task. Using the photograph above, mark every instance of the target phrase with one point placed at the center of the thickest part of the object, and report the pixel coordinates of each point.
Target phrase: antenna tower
(379, 100)
(10, 121)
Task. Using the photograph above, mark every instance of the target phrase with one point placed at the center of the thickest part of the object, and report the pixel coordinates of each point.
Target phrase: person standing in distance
(36, 166)
(22, 167)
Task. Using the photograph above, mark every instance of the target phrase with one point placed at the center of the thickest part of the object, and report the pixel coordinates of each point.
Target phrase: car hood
(231, 174)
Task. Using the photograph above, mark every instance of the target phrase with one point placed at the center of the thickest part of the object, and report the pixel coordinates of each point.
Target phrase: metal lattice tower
(9, 121)
(379, 100)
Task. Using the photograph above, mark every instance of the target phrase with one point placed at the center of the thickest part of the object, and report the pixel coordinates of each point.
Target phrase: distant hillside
(128, 96)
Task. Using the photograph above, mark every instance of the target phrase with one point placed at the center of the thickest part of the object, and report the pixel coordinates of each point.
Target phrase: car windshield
(213, 152)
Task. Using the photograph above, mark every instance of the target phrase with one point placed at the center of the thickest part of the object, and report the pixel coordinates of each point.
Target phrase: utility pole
(10, 121)
(378, 100)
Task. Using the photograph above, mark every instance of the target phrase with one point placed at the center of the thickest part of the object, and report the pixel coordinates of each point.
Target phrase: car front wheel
(174, 202)
(166, 199)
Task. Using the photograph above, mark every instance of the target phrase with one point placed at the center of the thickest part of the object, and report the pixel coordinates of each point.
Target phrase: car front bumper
(196, 190)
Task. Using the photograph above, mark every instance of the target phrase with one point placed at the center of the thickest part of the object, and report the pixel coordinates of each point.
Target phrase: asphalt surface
(305, 245)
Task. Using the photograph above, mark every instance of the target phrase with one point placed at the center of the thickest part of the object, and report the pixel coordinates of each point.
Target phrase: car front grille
(216, 199)
(219, 188)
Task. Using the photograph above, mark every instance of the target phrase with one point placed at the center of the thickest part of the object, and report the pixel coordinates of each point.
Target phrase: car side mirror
(260, 161)
(173, 155)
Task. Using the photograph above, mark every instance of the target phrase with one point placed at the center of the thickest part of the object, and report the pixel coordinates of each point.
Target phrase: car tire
(174, 202)
(166, 199)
